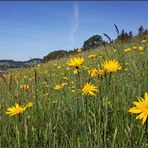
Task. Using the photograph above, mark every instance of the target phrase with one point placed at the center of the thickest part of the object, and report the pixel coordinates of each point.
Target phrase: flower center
(145, 109)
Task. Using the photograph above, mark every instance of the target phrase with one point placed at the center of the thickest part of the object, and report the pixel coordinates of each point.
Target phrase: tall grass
(66, 118)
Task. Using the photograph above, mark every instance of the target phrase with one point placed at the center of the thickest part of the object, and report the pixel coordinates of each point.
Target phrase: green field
(68, 118)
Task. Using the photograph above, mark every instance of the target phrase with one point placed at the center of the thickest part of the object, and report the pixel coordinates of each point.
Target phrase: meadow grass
(66, 117)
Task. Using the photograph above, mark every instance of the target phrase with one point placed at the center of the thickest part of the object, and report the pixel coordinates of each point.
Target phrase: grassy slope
(61, 118)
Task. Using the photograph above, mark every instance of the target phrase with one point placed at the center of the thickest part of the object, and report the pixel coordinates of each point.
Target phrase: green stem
(78, 78)
(146, 130)
(109, 78)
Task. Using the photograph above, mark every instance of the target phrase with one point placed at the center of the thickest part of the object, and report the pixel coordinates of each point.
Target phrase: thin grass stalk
(10, 82)
(109, 80)
(78, 78)
(1, 75)
(35, 82)
(146, 130)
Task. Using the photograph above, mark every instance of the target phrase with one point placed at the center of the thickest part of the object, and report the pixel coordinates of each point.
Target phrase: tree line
(96, 41)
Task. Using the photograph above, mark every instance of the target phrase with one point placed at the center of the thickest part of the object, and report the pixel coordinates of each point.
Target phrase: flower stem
(146, 130)
(109, 78)
(78, 78)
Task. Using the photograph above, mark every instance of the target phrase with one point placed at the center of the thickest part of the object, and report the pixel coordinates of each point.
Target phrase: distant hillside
(5, 64)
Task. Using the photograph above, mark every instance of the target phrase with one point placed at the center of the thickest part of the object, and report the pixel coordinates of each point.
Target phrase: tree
(141, 31)
(55, 55)
(145, 34)
(93, 42)
(131, 35)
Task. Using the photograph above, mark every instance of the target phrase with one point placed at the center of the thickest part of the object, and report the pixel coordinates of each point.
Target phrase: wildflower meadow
(97, 98)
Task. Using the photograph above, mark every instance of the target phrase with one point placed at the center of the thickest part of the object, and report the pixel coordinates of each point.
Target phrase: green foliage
(55, 55)
(126, 37)
(93, 42)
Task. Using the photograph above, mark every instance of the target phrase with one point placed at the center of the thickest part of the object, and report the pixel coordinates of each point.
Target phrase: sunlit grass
(62, 115)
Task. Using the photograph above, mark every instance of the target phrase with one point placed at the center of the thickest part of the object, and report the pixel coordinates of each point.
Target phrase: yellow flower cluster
(140, 48)
(24, 87)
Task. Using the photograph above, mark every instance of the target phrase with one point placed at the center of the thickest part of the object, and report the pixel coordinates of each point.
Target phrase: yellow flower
(28, 105)
(92, 72)
(45, 84)
(65, 78)
(89, 89)
(46, 94)
(24, 87)
(25, 77)
(79, 50)
(143, 41)
(17, 109)
(39, 65)
(141, 48)
(111, 66)
(127, 49)
(141, 53)
(60, 86)
(92, 55)
(141, 107)
(100, 72)
(134, 47)
(75, 62)
(114, 50)
(76, 71)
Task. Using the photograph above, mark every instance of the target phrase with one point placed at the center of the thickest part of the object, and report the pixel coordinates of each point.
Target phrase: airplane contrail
(76, 23)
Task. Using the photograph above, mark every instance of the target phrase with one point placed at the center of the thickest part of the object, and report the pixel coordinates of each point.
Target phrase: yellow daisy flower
(89, 89)
(111, 66)
(140, 48)
(17, 109)
(75, 62)
(92, 72)
(141, 107)
(100, 72)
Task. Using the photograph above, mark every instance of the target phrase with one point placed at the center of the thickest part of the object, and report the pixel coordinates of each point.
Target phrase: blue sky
(33, 29)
